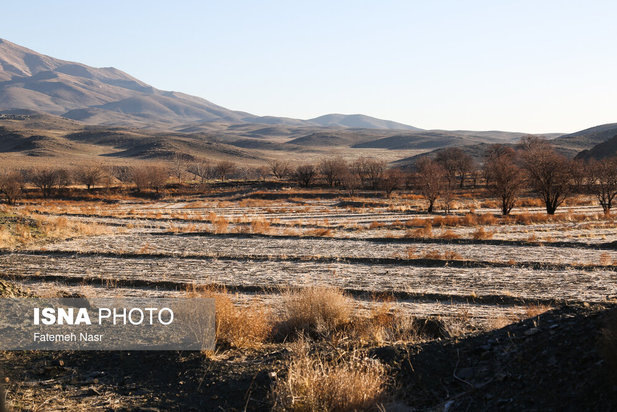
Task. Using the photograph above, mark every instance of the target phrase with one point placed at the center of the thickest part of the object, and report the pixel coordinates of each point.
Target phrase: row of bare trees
(362, 173)
(507, 172)
(532, 165)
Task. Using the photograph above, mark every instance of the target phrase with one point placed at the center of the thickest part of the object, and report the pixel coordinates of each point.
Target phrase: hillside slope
(30, 80)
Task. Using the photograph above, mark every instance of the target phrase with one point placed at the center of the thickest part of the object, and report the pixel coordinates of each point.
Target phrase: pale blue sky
(533, 66)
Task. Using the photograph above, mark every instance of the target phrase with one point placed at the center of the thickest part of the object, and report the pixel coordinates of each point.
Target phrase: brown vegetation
(549, 172)
(237, 326)
(429, 181)
(313, 382)
(505, 176)
(11, 186)
(317, 310)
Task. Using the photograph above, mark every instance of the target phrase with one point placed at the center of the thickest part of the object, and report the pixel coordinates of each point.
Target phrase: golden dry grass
(22, 228)
(237, 326)
(481, 234)
(533, 310)
(313, 383)
(383, 323)
(316, 309)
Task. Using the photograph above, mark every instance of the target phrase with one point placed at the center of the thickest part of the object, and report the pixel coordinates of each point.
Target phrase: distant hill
(588, 138)
(358, 121)
(477, 151)
(601, 151)
(34, 134)
(432, 139)
(57, 108)
(348, 138)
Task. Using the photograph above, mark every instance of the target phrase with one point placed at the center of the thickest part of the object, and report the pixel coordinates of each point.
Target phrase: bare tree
(180, 165)
(11, 186)
(280, 169)
(578, 174)
(548, 172)
(89, 176)
(492, 152)
(429, 180)
(153, 177)
(305, 174)
(123, 173)
(333, 170)
(202, 170)
(262, 172)
(369, 171)
(224, 169)
(139, 175)
(48, 179)
(456, 163)
(465, 166)
(157, 177)
(391, 180)
(602, 181)
(506, 178)
(447, 159)
(351, 182)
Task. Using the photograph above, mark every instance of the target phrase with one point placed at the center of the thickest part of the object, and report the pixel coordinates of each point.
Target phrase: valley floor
(524, 299)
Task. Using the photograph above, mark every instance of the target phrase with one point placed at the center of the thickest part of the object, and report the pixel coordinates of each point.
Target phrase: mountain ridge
(109, 96)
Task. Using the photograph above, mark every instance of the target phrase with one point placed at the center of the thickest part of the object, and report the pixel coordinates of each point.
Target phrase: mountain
(57, 108)
(358, 121)
(108, 96)
(29, 80)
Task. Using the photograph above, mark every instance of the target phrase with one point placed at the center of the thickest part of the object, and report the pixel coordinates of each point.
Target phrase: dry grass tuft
(314, 383)
(20, 229)
(318, 310)
(237, 326)
(411, 253)
(482, 234)
(449, 235)
(425, 231)
(532, 311)
(383, 324)
(451, 255)
(320, 232)
(606, 259)
(260, 226)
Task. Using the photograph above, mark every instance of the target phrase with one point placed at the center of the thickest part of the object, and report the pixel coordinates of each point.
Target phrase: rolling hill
(56, 108)
(358, 121)
(600, 151)
(585, 139)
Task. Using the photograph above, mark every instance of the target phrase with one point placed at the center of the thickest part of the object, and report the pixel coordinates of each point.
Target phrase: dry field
(472, 270)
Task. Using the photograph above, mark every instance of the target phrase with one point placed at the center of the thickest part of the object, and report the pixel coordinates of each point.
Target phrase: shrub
(317, 384)
(11, 184)
(482, 234)
(237, 326)
(449, 235)
(315, 310)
